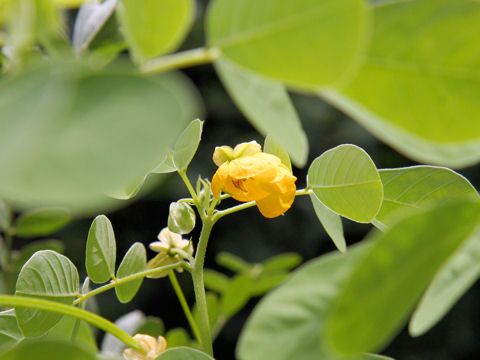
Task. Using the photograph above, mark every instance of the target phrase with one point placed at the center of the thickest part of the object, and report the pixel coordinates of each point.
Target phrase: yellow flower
(247, 174)
(154, 347)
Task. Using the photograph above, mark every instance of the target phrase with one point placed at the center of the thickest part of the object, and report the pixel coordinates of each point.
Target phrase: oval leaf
(331, 222)
(415, 91)
(237, 295)
(450, 283)
(187, 145)
(134, 261)
(285, 261)
(101, 250)
(85, 134)
(286, 39)
(385, 285)
(153, 27)
(49, 276)
(294, 314)
(47, 350)
(346, 180)
(417, 187)
(183, 353)
(40, 222)
(266, 104)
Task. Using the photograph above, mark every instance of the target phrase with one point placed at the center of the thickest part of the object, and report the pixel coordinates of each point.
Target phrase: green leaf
(266, 104)
(418, 187)
(135, 260)
(84, 135)
(177, 337)
(346, 180)
(40, 222)
(10, 334)
(450, 283)
(183, 353)
(49, 276)
(101, 250)
(42, 349)
(237, 295)
(384, 287)
(181, 218)
(19, 258)
(152, 326)
(187, 145)
(286, 40)
(417, 80)
(5, 216)
(285, 261)
(153, 27)
(270, 146)
(166, 165)
(268, 281)
(232, 262)
(294, 314)
(216, 281)
(331, 222)
(67, 327)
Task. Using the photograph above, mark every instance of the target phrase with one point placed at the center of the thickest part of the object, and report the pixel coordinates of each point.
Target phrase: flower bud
(245, 149)
(222, 154)
(181, 218)
(154, 347)
(167, 249)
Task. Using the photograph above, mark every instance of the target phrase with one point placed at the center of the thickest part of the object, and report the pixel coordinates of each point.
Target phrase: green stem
(199, 287)
(113, 284)
(183, 302)
(181, 60)
(219, 214)
(94, 319)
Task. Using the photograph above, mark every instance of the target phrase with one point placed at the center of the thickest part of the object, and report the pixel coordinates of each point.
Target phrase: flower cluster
(248, 174)
(154, 347)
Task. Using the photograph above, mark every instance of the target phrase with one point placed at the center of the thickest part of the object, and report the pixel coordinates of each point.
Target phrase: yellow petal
(218, 180)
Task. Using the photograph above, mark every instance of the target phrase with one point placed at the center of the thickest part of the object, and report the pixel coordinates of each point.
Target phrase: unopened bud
(154, 347)
(245, 149)
(181, 218)
(222, 154)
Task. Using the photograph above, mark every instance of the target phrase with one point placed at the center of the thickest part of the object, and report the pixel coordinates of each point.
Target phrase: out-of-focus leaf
(416, 89)
(85, 134)
(270, 146)
(232, 262)
(40, 222)
(152, 326)
(450, 283)
(153, 27)
(19, 258)
(331, 222)
(10, 334)
(268, 281)
(266, 104)
(89, 20)
(285, 261)
(101, 250)
(183, 353)
(187, 145)
(177, 337)
(236, 296)
(166, 165)
(216, 281)
(41, 349)
(49, 276)
(287, 40)
(346, 180)
(288, 323)
(67, 327)
(417, 187)
(5, 216)
(213, 309)
(134, 261)
(385, 285)
(129, 323)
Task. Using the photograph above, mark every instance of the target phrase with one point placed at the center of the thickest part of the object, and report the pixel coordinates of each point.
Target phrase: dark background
(254, 238)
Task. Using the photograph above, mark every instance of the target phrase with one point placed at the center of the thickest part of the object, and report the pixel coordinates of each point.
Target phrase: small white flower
(154, 347)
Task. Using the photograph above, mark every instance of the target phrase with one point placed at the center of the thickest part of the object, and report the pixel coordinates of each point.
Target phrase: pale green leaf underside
(385, 285)
(294, 41)
(101, 250)
(270, 146)
(289, 321)
(416, 187)
(266, 104)
(450, 283)
(50, 276)
(134, 261)
(331, 222)
(187, 145)
(346, 180)
(418, 88)
(153, 27)
(183, 353)
(65, 328)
